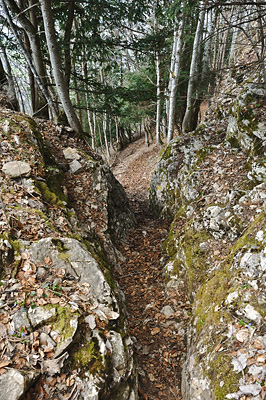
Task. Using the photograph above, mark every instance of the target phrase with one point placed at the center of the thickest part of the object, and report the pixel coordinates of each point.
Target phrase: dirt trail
(156, 314)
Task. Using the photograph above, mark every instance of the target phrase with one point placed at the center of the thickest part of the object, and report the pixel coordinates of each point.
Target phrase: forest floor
(157, 315)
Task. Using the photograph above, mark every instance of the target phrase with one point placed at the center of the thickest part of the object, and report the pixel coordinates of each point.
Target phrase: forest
(114, 69)
(132, 200)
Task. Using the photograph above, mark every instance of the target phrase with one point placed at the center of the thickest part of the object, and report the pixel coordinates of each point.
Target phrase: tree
(56, 63)
(174, 74)
(189, 118)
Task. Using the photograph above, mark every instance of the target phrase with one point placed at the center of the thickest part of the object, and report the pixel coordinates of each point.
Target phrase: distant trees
(117, 69)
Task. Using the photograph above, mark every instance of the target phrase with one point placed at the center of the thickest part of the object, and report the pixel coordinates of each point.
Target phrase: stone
(253, 390)
(20, 320)
(167, 311)
(71, 154)
(118, 353)
(252, 314)
(40, 314)
(75, 166)
(66, 341)
(46, 341)
(14, 384)
(71, 255)
(90, 320)
(16, 169)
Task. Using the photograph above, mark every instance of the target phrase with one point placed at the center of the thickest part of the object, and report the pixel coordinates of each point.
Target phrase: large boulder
(216, 196)
(63, 317)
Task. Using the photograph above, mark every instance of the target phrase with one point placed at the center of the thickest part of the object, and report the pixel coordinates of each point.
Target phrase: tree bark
(55, 59)
(67, 38)
(7, 77)
(159, 99)
(187, 124)
(174, 76)
(28, 58)
(30, 26)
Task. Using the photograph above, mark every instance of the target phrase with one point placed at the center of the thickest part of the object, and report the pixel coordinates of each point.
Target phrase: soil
(155, 328)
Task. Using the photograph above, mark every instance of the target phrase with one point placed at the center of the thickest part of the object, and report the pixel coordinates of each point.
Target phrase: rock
(252, 314)
(258, 172)
(173, 183)
(75, 166)
(167, 311)
(15, 383)
(40, 314)
(70, 327)
(90, 320)
(215, 221)
(253, 390)
(71, 154)
(20, 320)
(46, 341)
(72, 256)
(118, 353)
(243, 128)
(16, 169)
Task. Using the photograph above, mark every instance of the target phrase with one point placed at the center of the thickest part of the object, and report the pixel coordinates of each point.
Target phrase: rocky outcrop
(216, 195)
(63, 320)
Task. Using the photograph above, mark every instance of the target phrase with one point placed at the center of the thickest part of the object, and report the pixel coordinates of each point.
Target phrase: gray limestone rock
(20, 320)
(167, 311)
(75, 166)
(71, 255)
(39, 315)
(16, 169)
(71, 154)
(14, 384)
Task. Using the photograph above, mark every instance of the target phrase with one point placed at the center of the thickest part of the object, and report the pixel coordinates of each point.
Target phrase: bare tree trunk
(11, 91)
(189, 117)
(206, 61)
(67, 38)
(54, 54)
(110, 134)
(28, 58)
(159, 100)
(174, 76)
(105, 137)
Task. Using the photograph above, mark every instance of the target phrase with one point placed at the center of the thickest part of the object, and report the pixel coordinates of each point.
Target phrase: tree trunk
(105, 137)
(159, 100)
(28, 58)
(11, 91)
(187, 124)
(206, 61)
(174, 76)
(67, 38)
(33, 46)
(55, 58)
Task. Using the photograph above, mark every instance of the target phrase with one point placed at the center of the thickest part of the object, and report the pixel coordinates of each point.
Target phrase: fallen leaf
(4, 364)
(155, 331)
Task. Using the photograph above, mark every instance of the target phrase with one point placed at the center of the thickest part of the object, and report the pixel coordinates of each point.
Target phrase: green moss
(220, 371)
(211, 295)
(166, 152)
(47, 195)
(61, 321)
(194, 258)
(62, 325)
(88, 357)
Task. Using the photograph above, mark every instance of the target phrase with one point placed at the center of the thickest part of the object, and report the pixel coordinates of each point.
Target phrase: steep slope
(62, 319)
(212, 183)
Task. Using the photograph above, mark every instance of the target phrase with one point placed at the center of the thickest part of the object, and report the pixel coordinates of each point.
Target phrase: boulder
(14, 383)
(16, 169)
